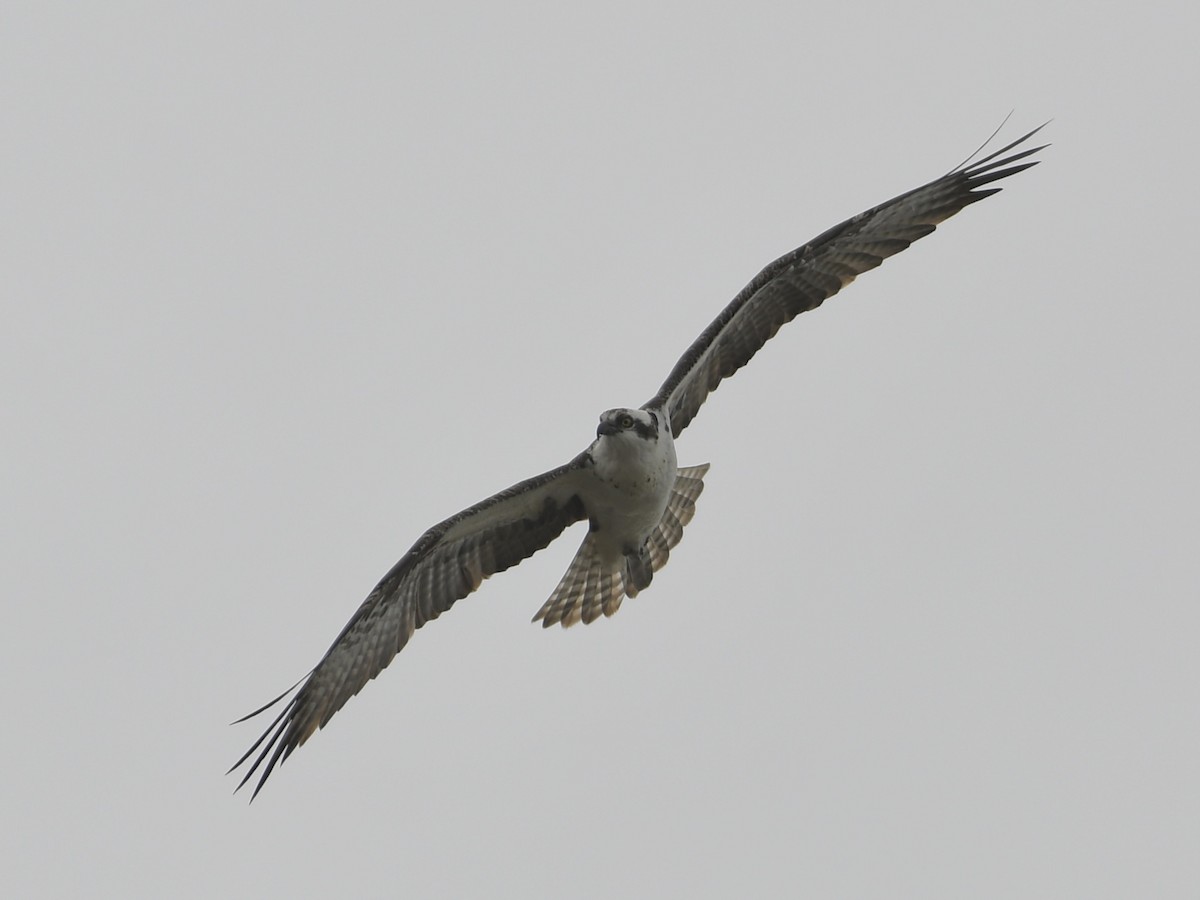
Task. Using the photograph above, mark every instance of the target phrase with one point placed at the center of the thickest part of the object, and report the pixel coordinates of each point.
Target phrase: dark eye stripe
(645, 430)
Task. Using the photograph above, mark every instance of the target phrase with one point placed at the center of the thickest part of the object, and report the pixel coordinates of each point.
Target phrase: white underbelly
(626, 510)
(622, 526)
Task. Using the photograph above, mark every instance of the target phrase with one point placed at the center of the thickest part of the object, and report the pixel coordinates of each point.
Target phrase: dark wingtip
(266, 706)
(971, 164)
(996, 166)
(276, 743)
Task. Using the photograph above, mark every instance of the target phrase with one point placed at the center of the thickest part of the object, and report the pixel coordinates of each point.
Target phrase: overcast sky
(283, 285)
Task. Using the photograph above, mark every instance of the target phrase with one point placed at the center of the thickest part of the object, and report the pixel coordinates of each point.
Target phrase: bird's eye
(625, 421)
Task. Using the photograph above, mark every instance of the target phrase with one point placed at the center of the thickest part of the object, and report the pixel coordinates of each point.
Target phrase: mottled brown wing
(806, 277)
(446, 564)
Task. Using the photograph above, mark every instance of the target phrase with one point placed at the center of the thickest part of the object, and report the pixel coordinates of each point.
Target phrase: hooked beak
(606, 428)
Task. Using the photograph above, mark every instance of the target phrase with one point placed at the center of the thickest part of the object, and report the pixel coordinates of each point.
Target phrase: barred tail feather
(681, 507)
(593, 585)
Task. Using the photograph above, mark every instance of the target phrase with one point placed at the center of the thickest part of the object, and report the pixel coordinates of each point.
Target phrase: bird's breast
(629, 493)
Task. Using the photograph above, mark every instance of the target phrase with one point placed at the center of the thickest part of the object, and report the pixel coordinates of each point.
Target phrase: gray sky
(286, 285)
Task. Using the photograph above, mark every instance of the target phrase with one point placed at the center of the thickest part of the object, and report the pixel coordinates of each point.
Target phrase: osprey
(626, 484)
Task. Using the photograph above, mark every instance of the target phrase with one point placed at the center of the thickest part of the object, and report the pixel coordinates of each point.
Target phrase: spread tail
(593, 585)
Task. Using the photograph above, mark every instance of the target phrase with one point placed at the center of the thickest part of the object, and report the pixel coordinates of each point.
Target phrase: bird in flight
(626, 484)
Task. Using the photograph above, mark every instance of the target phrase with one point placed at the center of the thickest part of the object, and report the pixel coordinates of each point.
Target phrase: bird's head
(629, 423)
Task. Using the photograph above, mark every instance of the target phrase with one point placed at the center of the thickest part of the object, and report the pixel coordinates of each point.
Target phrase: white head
(628, 424)
(634, 452)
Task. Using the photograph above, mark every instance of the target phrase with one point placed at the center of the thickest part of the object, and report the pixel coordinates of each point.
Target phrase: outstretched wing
(447, 563)
(803, 279)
